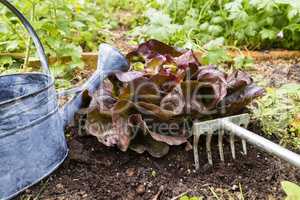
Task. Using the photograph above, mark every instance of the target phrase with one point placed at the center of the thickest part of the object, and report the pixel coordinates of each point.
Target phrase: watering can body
(32, 141)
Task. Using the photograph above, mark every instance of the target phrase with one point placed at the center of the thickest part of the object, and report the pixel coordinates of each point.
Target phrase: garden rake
(235, 126)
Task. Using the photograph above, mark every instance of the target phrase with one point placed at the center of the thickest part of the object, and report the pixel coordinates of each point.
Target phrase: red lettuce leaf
(238, 80)
(128, 76)
(238, 100)
(174, 101)
(153, 48)
(187, 60)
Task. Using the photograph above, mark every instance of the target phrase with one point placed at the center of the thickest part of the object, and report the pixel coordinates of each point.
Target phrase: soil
(274, 73)
(93, 171)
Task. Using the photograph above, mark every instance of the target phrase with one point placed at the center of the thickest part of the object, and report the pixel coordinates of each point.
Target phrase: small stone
(130, 196)
(188, 147)
(60, 188)
(153, 173)
(234, 187)
(141, 189)
(84, 195)
(130, 172)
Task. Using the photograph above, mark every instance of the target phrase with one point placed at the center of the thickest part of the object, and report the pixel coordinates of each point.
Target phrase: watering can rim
(49, 85)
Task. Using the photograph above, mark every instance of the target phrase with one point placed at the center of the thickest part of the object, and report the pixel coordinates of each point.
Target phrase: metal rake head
(216, 127)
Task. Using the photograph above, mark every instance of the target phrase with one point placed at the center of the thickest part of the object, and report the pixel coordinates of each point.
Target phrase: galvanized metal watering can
(32, 142)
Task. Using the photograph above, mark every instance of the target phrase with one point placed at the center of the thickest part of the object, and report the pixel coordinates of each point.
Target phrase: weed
(278, 113)
(291, 189)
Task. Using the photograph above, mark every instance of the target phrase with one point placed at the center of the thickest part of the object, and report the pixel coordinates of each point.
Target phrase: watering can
(32, 141)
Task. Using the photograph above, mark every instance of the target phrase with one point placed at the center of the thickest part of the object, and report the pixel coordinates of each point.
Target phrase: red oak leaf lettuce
(150, 109)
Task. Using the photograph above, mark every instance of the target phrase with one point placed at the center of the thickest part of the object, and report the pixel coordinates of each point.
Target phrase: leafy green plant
(278, 113)
(65, 27)
(291, 189)
(254, 24)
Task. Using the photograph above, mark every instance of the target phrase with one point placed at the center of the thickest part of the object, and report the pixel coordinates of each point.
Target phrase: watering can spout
(110, 60)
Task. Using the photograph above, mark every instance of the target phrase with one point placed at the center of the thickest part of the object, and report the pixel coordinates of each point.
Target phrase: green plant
(254, 24)
(291, 189)
(278, 113)
(65, 27)
(185, 197)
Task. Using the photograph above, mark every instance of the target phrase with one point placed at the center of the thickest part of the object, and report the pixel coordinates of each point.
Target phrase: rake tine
(208, 148)
(244, 143)
(220, 144)
(232, 147)
(196, 154)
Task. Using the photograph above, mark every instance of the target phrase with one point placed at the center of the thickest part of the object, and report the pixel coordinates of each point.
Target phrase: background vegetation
(68, 27)
(253, 24)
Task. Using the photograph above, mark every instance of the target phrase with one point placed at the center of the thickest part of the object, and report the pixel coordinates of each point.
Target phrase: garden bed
(90, 58)
(94, 171)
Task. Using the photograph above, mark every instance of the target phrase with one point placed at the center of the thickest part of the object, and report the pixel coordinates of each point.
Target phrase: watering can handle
(110, 60)
(33, 35)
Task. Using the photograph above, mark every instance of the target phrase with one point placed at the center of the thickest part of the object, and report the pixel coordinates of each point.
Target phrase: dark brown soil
(93, 171)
